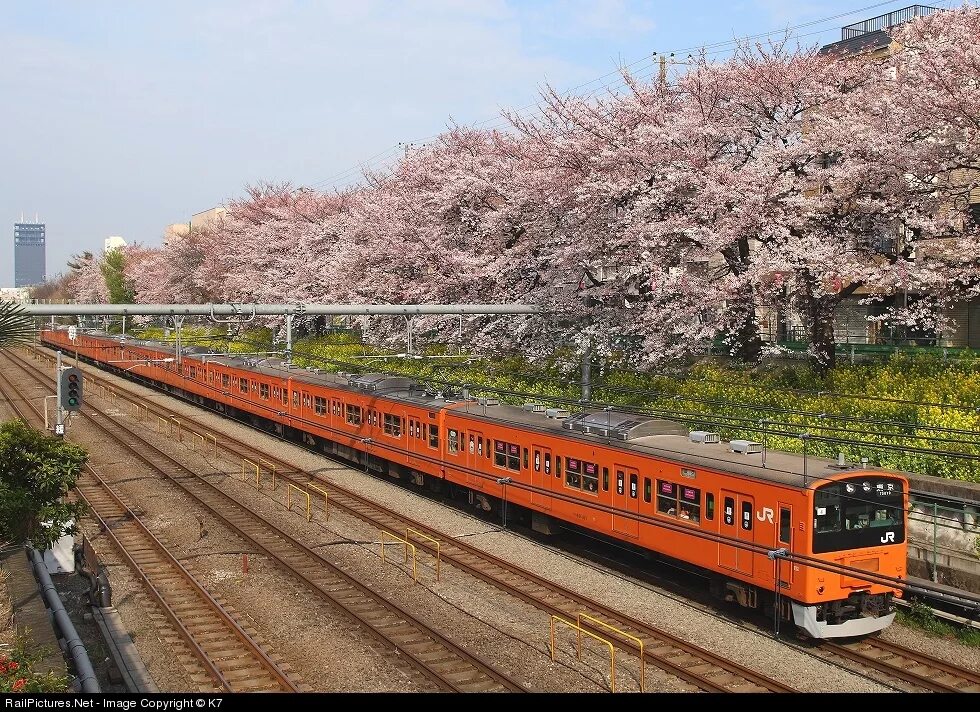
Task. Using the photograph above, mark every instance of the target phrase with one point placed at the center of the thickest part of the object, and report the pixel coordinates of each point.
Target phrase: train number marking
(765, 515)
(888, 537)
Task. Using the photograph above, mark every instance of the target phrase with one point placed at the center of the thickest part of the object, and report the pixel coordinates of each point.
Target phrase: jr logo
(888, 537)
(765, 515)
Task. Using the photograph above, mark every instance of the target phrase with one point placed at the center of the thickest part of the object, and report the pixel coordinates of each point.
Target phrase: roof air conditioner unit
(703, 436)
(746, 447)
(557, 413)
(489, 401)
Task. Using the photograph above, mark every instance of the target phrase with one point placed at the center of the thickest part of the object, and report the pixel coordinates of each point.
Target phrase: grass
(921, 616)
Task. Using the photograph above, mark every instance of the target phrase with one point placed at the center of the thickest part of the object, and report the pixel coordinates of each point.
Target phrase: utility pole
(59, 424)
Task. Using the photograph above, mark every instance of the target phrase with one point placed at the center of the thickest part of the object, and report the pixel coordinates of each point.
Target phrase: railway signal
(71, 390)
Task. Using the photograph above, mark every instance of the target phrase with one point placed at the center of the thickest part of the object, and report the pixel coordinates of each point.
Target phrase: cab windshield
(863, 512)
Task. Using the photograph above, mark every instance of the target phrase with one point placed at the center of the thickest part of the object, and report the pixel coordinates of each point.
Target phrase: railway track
(686, 661)
(434, 655)
(233, 659)
(918, 670)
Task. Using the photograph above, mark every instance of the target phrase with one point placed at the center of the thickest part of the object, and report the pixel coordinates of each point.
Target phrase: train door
(540, 480)
(476, 449)
(414, 439)
(737, 524)
(784, 539)
(626, 498)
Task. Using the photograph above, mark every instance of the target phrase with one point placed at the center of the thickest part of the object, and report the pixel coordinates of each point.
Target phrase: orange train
(832, 536)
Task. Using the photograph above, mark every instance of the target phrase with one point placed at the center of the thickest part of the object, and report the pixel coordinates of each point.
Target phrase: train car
(819, 543)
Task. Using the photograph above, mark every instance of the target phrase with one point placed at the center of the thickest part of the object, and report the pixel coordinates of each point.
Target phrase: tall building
(29, 254)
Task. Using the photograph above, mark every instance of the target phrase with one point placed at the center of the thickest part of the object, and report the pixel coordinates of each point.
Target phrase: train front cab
(859, 521)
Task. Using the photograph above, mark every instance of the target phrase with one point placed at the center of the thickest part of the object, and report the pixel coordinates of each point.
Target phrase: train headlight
(866, 486)
(849, 487)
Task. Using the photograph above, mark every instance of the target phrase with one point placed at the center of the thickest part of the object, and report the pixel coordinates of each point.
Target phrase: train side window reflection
(746, 515)
(785, 527)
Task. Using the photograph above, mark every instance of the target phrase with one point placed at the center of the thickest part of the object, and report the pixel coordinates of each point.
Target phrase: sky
(120, 118)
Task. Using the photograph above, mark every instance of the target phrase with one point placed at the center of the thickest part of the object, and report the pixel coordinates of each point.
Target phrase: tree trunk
(744, 339)
(745, 343)
(587, 375)
(820, 325)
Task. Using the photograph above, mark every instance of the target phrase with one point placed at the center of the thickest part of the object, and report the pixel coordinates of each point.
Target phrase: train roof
(631, 432)
(668, 440)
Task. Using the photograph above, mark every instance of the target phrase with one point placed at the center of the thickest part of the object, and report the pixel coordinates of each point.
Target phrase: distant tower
(29, 264)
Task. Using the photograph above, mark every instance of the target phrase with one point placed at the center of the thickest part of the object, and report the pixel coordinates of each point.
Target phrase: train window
(746, 515)
(307, 401)
(192, 371)
(729, 511)
(513, 457)
(633, 483)
(525, 458)
(295, 399)
(488, 448)
(255, 388)
(472, 444)
(558, 466)
(590, 477)
(690, 499)
(320, 405)
(709, 506)
(573, 472)
(243, 385)
(225, 380)
(353, 415)
(785, 527)
(434, 436)
(647, 489)
(392, 425)
(418, 430)
(264, 393)
(479, 445)
(537, 461)
(605, 479)
(285, 396)
(275, 392)
(547, 463)
(667, 498)
(619, 482)
(452, 442)
(500, 453)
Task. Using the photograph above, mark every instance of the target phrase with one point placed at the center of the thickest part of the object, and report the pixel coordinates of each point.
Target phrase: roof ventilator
(488, 401)
(535, 407)
(703, 436)
(746, 447)
(557, 413)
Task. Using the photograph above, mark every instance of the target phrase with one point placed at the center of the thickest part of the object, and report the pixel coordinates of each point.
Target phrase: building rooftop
(872, 34)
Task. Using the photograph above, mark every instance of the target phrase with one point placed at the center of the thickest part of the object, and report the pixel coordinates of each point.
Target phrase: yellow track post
(326, 511)
(639, 643)
(162, 423)
(180, 434)
(409, 531)
(574, 626)
(309, 506)
(395, 538)
(272, 468)
(251, 464)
